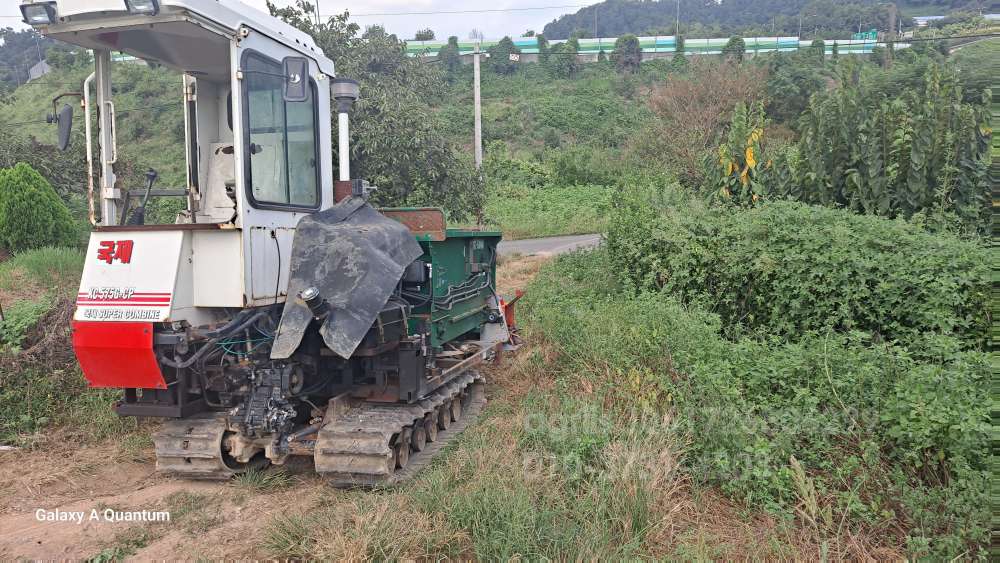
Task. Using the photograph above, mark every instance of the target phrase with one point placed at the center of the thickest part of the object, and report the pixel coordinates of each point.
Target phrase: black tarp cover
(355, 256)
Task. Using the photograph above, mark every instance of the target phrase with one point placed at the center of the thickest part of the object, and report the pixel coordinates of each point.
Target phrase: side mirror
(64, 120)
(296, 71)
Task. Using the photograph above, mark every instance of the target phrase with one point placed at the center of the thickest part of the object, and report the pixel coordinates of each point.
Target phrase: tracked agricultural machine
(280, 314)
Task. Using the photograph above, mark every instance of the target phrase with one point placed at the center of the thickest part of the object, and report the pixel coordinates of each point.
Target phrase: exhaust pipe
(345, 91)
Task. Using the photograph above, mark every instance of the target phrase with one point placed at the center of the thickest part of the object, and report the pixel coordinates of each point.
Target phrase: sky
(493, 24)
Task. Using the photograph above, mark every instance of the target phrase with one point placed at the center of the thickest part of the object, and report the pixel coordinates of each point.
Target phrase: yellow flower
(730, 168)
(751, 161)
(745, 176)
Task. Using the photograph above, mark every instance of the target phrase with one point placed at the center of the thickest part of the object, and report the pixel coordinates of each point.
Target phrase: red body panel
(117, 354)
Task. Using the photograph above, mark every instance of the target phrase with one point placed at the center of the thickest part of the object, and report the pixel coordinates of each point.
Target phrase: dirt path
(207, 519)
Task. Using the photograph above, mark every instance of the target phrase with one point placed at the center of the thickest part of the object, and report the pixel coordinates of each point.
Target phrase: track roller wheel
(456, 409)
(431, 427)
(444, 416)
(418, 441)
(401, 451)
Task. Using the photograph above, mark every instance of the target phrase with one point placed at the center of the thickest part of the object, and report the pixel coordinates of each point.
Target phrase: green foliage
(818, 50)
(56, 267)
(741, 158)
(543, 49)
(426, 34)
(19, 318)
(31, 213)
(920, 151)
(555, 210)
(792, 79)
(788, 268)
(627, 55)
(499, 59)
(396, 141)
(735, 48)
(838, 406)
(450, 58)
(748, 18)
(562, 59)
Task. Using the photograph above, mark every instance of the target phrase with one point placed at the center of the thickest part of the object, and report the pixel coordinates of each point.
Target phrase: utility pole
(479, 108)
(317, 14)
(677, 27)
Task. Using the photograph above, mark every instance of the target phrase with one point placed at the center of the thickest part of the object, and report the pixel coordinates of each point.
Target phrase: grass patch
(262, 481)
(126, 544)
(368, 525)
(194, 512)
(50, 267)
(550, 211)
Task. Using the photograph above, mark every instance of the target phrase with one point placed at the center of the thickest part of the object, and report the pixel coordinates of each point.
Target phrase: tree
(397, 141)
(426, 34)
(543, 49)
(500, 57)
(735, 49)
(562, 60)
(451, 58)
(20, 50)
(31, 213)
(679, 61)
(602, 57)
(793, 79)
(746, 18)
(835, 53)
(627, 55)
(529, 33)
(818, 49)
(691, 112)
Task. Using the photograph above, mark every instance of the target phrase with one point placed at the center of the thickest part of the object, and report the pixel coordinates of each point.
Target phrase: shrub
(787, 268)
(692, 111)
(31, 213)
(874, 432)
(922, 150)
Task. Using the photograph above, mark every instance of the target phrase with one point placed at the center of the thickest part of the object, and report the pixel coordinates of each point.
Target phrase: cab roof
(101, 24)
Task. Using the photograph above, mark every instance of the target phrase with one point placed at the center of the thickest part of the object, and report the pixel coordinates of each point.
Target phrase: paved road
(549, 245)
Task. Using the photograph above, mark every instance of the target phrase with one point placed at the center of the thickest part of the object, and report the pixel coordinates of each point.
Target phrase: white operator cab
(257, 160)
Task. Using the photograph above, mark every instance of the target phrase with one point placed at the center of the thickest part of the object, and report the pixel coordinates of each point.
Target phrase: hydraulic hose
(220, 333)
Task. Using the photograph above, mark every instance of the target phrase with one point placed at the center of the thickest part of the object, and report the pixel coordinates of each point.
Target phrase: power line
(437, 12)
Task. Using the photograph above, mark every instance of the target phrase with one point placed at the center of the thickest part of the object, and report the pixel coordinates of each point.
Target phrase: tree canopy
(627, 55)
(723, 18)
(500, 56)
(396, 143)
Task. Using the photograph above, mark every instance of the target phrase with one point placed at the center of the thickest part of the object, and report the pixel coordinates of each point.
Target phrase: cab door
(284, 161)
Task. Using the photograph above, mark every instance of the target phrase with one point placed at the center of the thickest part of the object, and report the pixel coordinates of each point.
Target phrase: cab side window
(280, 137)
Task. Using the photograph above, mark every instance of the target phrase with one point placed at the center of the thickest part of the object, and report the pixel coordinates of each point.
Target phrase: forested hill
(706, 18)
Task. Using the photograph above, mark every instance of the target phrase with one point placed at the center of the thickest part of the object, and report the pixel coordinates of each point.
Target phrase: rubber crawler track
(354, 449)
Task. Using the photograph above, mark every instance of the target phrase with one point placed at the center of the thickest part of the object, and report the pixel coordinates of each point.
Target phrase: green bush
(19, 318)
(885, 439)
(31, 213)
(786, 268)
